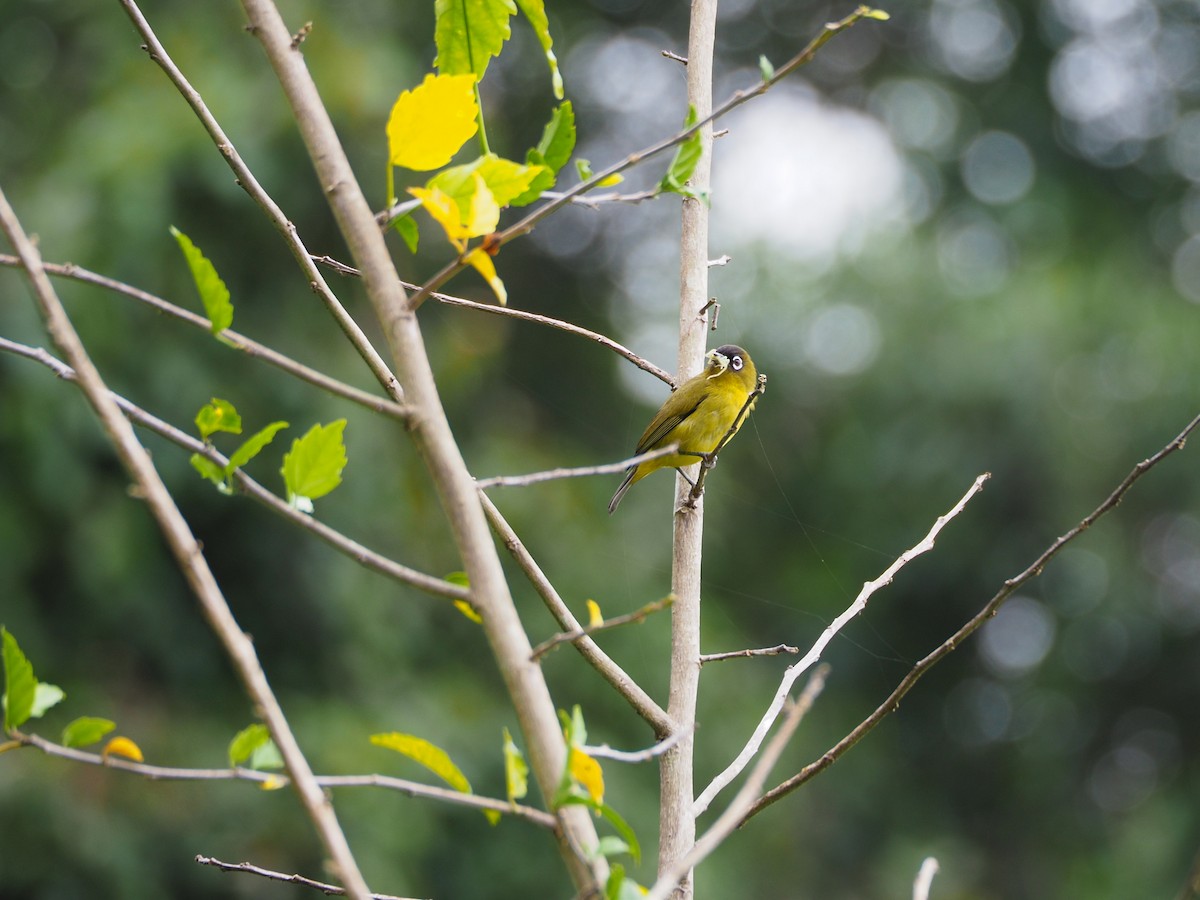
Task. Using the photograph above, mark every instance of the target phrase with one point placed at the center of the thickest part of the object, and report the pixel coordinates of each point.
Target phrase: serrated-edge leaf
(431, 122)
(246, 741)
(429, 755)
(313, 467)
(44, 697)
(19, 684)
(86, 730)
(213, 292)
(253, 446)
(535, 12)
(468, 33)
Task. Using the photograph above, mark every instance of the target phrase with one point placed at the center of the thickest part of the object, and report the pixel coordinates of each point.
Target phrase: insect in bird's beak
(720, 360)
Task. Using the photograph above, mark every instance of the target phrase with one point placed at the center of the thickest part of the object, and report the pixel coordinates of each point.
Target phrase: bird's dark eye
(736, 363)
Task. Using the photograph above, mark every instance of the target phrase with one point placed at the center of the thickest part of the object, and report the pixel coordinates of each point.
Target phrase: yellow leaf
(469, 611)
(516, 770)
(121, 746)
(483, 211)
(611, 180)
(588, 773)
(483, 265)
(429, 755)
(445, 212)
(594, 616)
(430, 123)
(274, 783)
(493, 816)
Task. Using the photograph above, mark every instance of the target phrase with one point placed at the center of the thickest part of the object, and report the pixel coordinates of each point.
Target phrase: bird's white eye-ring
(736, 364)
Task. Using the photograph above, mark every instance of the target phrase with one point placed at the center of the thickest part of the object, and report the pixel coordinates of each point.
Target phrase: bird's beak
(720, 360)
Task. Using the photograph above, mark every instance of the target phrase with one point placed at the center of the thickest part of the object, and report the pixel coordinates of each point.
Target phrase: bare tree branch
(643, 704)
(892, 703)
(251, 869)
(729, 820)
(366, 557)
(188, 555)
(604, 751)
(796, 669)
(638, 615)
(743, 654)
(230, 337)
(924, 879)
(582, 472)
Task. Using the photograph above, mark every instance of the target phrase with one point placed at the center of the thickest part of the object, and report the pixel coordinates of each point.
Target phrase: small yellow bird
(697, 416)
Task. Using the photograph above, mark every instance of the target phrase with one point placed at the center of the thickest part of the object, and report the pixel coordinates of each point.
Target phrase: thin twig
(522, 315)
(892, 703)
(638, 615)
(174, 773)
(189, 556)
(604, 751)
(744, 654)
(245, 178)
(796, 669)
(728, 821)
(366, 557)
(251, 869)
(582, 472)
(924, 879)
(232, 338)
(641, 702)
(708, 460)
(527, 224)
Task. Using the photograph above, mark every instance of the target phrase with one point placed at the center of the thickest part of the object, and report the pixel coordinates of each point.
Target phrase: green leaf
(406, 227)
(877, 14)
(552, 152)
(432, 757)
(266, 756)
(218, 415)
(213, 293)
(583, 168)
(253, 446)
(459, 578)
(86, 730)
(468, 33)
(535, 12)
(246, 741)
(765, 67)
(19, 684)
(516, 770)
(687, 155)
(618, 887)
(44, 697)
(627, 834)
(313, 467)
(210, 470)
(558, 137)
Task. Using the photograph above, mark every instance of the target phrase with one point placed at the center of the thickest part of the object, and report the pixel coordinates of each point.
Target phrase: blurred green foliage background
(964, 240)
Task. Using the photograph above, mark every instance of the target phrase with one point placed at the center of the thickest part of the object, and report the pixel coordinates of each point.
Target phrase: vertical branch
(434, 440)
(677, 825)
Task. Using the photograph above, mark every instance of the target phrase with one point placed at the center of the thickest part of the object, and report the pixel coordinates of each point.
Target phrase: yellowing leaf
(121, 746)
(429, 755)
(484, 212)
(443, 210)
(430, 123)
(594, 616)
(274, 783)
(469, 611)
(516, 770)
(483, 265)
(586, 771)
